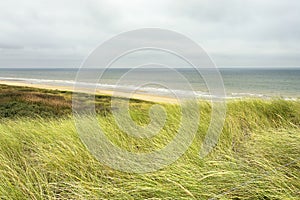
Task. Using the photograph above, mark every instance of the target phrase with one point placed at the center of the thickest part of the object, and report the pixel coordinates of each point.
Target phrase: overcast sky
(234, 32)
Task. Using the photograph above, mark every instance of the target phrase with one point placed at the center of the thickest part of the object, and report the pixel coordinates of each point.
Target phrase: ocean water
(238, 82)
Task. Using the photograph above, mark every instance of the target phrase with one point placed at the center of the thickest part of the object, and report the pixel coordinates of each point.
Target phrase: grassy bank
(43, 158)
(16, 101)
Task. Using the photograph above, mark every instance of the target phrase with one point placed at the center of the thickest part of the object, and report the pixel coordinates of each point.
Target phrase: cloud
(62, 33)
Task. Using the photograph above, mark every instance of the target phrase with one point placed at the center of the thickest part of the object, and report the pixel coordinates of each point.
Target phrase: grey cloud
(234, 32)
(247, 19)
(10, 47)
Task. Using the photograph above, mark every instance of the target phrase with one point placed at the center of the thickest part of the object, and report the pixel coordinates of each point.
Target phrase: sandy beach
(144, 97)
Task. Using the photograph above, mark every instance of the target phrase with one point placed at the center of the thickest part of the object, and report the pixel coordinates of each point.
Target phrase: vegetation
(16, 101)
(42, 156)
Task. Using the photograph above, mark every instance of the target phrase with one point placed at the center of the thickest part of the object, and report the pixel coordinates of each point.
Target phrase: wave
(245, 94)
(136, 89)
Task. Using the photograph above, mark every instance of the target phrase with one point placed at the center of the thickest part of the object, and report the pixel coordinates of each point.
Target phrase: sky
(257, 33)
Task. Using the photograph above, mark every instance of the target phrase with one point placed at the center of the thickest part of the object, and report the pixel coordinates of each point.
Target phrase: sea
(238, 82)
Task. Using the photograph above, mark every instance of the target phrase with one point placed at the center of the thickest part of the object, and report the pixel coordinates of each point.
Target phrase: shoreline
(136, 96)
(143, 97)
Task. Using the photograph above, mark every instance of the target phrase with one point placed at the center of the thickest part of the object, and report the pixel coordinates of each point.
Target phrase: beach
(238, 82)
(144, 97)
(153, 100)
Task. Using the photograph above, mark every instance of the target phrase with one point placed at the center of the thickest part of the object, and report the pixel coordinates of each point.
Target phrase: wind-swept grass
(257, 157)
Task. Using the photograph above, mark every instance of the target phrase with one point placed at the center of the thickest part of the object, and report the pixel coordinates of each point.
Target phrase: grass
(16, 101)
(42, 157)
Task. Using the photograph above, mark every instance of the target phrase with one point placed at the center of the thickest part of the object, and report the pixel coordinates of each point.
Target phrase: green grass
(257, 156)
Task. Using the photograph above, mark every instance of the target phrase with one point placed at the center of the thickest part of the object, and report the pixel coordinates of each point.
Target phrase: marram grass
(257, 157)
